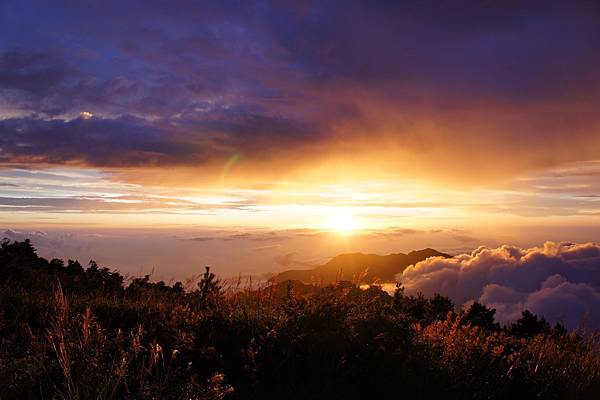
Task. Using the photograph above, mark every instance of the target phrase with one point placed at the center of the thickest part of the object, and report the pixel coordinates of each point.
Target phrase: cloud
(128, 141)
(51, 243)
(267, 247)
(285, 260)
(123, 141)
(31, 72)
(560, 281)
(289, 260)
(257, 236)
(202, 239)
(269, 81)
(20, 236)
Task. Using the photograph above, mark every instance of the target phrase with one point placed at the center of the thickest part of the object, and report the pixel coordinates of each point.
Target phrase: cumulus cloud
(560, 281)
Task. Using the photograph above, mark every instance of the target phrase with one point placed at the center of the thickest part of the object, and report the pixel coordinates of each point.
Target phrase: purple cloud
(560, 281)
(197, 80)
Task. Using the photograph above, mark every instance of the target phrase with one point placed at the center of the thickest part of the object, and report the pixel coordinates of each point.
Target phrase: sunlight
(342, 221)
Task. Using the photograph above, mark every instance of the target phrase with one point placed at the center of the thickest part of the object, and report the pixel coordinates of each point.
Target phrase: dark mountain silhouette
(369, 267)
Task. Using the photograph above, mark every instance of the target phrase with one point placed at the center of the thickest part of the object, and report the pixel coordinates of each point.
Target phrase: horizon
(260, 137)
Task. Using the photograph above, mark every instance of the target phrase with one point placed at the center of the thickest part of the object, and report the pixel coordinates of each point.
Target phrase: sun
(342, 221)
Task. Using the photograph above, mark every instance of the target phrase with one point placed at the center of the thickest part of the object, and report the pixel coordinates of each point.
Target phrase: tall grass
(154, 341)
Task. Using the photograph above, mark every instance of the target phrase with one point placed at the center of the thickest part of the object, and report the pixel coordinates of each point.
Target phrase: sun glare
(342, 221)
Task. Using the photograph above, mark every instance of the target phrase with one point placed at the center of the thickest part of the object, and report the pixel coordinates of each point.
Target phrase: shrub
(78, 333)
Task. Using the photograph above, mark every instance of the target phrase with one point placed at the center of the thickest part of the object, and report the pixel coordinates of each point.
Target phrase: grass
(72, 333)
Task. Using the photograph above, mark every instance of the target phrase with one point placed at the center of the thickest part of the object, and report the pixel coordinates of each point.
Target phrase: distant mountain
(371, 267)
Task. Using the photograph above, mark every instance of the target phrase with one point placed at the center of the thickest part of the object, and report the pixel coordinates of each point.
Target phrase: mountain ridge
(366, 268)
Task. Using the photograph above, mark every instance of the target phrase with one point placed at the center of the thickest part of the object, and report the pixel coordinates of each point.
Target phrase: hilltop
(370, 267)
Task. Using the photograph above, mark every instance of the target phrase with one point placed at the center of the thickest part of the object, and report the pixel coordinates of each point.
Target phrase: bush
(83, 335)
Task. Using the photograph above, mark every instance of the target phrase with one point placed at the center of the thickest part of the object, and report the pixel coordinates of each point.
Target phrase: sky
(256, 136)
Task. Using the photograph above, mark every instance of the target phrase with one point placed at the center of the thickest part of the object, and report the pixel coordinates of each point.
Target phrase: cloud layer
(298, 84)
(560, 281)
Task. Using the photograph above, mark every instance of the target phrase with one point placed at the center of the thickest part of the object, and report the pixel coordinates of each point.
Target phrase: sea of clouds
(559, 281)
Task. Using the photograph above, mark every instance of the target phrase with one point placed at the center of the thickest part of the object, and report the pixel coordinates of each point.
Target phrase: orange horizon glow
(99, 199)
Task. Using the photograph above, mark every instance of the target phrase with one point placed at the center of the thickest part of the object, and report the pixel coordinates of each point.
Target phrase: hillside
(77, 333)
(349, 266)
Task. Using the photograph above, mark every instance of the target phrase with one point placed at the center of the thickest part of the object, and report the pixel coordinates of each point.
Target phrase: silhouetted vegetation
(71, 332)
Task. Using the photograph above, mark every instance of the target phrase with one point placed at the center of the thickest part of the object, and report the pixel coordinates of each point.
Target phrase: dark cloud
(255, 48)
(560, 281)
(129, 141)
(31, 72)
(184, 84)
(108, 142)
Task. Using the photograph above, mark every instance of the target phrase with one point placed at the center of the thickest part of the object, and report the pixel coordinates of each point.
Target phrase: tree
(481, 316)
(438, 307)
(422, 309)
(18, 261)
(529, 325)
(209, 288)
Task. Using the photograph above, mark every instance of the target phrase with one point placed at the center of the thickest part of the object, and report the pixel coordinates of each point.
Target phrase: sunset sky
(256, 136)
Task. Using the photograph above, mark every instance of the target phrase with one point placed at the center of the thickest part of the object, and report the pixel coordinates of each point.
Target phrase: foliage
(481, 316)
(70, 332)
